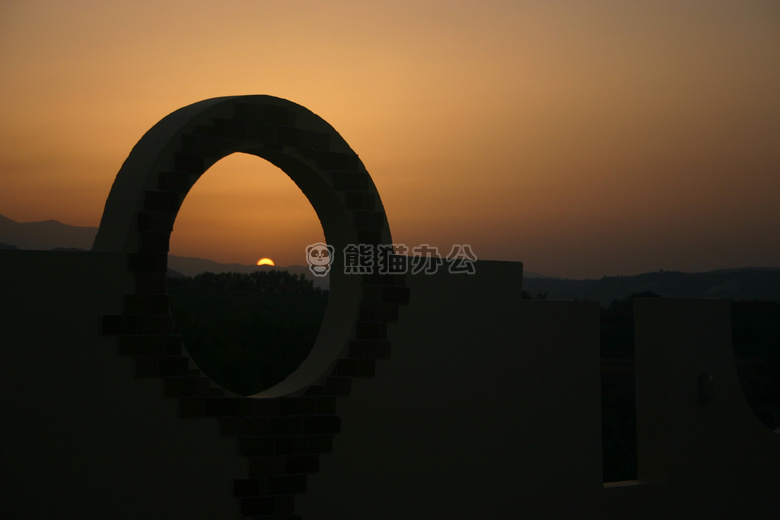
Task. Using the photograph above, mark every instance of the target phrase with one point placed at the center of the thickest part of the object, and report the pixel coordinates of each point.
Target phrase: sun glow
(265, 261)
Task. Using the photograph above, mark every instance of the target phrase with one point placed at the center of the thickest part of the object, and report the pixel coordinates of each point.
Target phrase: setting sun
(265, 261)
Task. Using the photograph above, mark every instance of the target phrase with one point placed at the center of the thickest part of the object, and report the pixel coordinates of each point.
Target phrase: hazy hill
(51, 234)
(46, 234)
(531, 274)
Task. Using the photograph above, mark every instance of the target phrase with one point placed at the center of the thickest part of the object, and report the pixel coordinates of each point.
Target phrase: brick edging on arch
(281, 436)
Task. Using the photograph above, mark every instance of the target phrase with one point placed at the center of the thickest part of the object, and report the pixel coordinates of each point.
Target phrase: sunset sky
(583, 138)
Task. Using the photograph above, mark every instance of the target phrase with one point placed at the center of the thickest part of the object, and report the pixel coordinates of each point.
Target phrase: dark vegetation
(247, 331)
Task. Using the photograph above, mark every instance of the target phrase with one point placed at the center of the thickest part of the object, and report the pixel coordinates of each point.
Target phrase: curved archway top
(171, 156)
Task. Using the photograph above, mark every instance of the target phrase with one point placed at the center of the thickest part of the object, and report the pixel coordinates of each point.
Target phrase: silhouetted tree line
(266, 281)
(247, 331)
(740, 284)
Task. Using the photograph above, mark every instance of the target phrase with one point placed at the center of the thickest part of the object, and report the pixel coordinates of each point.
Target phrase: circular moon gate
(163, 166)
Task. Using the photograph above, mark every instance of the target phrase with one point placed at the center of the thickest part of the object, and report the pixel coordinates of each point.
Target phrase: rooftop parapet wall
(83, 437)
(490, 408)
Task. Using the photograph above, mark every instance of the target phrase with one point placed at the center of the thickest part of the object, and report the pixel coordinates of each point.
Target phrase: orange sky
(582, 138)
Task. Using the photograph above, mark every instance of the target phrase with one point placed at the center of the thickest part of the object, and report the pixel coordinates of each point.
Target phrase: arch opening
(247, 327)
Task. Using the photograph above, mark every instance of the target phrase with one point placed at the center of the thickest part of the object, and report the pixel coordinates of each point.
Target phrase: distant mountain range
(46, 234)
(51, 234)
(758, 283)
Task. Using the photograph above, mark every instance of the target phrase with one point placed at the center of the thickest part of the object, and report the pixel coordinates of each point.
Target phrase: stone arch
(151, 185)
